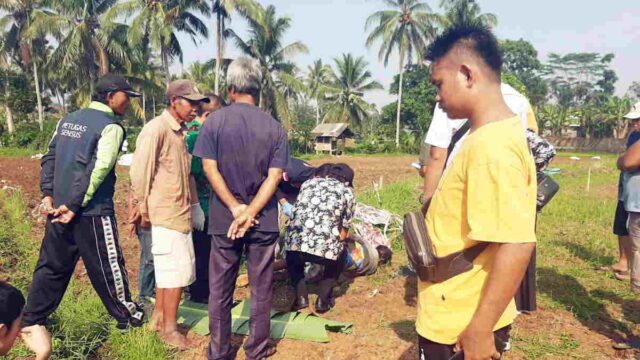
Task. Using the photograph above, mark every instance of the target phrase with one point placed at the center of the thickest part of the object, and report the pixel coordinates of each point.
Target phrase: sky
(330, 28)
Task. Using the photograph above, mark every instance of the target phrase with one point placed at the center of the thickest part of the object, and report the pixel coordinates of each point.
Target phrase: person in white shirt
(442, 130)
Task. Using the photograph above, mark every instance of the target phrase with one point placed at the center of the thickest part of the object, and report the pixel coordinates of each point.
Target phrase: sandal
(609, 268)
(271, 350)
(622, 276)
(603, 268)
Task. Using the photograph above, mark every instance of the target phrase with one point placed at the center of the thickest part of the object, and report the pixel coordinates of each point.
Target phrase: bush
(132, 136)
(28, 135)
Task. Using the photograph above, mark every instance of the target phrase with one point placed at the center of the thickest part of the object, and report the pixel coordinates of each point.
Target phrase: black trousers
(526, 294)
(199, 290)
(429, 350)
(332, 270)
(223, 271)
(95, 239)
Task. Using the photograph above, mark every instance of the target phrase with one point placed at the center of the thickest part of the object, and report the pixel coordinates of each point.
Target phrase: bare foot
(176, 339)
(155, 323)
(619, 267)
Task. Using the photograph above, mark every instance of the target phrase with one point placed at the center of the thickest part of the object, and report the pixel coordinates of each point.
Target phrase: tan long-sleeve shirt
(160, 174)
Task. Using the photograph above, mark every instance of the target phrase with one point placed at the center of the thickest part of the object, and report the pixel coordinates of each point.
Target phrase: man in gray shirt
(244, 151)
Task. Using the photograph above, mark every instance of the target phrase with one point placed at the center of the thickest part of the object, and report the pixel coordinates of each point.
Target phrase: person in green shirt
(199, 290)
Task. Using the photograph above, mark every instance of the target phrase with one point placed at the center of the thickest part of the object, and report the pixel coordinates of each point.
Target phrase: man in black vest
(77, 181)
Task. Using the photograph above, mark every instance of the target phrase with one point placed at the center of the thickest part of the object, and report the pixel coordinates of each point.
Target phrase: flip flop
(603, 268)
(622, 276)
(622, 346)
(609, 268)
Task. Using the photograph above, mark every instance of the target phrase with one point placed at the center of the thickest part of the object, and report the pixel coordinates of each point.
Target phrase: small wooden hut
(332, 138)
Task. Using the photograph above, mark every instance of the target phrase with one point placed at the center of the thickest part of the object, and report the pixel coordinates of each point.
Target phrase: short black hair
(11, 304)
(341, 172)
(213, 99)
(475, 37)
(384, 255)
(101, 97)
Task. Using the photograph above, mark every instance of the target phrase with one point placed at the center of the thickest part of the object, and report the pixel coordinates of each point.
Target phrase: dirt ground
(383, 322)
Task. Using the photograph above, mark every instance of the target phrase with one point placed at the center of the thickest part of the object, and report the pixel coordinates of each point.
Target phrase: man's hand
(422, 171)
(477, 343)
(38, 339)
(242, 224)
(63, 215)
(238, 210)
(46, 207)
(136, 219)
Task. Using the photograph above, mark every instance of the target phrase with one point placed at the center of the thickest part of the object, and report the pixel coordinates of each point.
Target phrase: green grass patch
(574, 235)
(80, 326)
(137, 344)
(587, 154)
(307, 157)
(17, 245)
(17, 152)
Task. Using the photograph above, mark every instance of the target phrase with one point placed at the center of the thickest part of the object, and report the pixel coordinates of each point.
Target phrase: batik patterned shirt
(324, 206)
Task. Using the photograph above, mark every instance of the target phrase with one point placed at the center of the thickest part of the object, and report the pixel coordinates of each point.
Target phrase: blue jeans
(146, 277)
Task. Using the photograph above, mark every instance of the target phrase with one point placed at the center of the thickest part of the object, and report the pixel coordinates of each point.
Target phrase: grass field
(16, 152)
(581, 309)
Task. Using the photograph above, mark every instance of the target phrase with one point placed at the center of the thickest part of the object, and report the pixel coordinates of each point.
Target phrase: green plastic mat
(289, 325)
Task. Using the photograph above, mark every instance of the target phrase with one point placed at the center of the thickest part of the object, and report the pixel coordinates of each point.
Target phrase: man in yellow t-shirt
(487, 194)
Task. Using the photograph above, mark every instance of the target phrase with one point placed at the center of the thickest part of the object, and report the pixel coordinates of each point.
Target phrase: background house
(332, 138)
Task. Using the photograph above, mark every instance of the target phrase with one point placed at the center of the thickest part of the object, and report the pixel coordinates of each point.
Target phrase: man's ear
(4, 329)
(468, 74)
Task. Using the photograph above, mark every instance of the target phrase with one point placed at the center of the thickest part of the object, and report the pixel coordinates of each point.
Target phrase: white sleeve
(440, 131)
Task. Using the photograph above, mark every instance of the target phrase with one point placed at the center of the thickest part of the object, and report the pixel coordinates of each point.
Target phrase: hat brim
(196, 97)
(634, 115)
(132, 93)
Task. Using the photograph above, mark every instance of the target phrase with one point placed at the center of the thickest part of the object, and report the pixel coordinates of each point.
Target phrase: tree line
(53, 51)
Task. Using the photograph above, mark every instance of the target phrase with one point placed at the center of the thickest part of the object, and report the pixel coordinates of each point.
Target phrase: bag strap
(456, 137)
(457, 263)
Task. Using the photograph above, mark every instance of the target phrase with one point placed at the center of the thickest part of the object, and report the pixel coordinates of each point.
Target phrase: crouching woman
(318, 230)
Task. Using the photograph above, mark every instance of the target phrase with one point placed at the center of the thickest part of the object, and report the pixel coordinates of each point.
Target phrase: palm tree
(223, 10)
(346, 89)
(84, 40)
(265, 45)
(18, 19)
(157, 22)
(317, 78)
(614, 111)
(407, 27)
(465, 12)
(5, 66)
(202, 75)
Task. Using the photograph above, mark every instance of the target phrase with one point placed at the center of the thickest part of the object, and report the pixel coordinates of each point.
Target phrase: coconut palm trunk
(317, 111)
(9, 115)
(144, 109)
(38, 96)
(219, 54)
(399, 97)
(103, 58)
(165, 62)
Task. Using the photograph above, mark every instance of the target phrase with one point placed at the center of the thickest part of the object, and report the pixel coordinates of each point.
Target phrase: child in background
(36, 337)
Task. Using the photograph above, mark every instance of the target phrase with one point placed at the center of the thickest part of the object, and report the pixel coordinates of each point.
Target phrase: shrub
(28, 135)
(132, 136)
